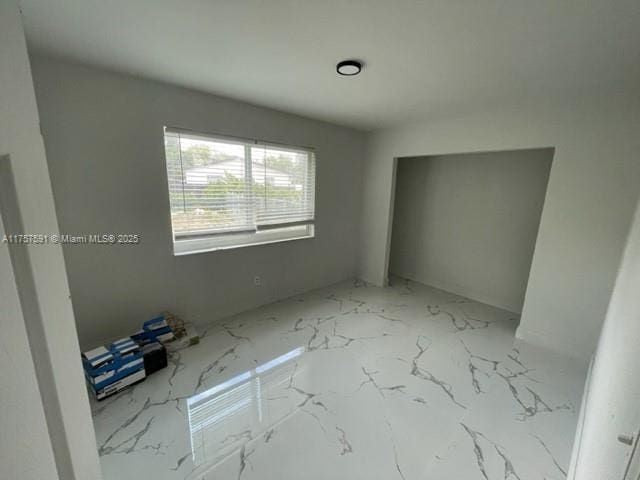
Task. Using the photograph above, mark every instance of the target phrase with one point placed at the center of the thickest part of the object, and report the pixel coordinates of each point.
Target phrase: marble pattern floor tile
(350, 381)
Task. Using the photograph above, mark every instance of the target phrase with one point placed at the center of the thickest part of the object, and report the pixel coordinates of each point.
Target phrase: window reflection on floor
(226, 416)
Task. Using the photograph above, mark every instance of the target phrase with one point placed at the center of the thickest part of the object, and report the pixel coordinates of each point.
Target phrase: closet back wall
(103, 134)
(468, 223)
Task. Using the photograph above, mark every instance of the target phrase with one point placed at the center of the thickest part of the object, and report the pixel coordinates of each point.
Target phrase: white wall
(614, 390)
(594, 181)
(23, 426)
(468, 223)
(104, 139)
(41, 375)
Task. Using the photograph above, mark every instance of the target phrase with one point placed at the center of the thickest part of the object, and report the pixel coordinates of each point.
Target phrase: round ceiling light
(348, 68)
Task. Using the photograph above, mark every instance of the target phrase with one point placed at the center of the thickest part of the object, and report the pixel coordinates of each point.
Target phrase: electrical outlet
(257, 281)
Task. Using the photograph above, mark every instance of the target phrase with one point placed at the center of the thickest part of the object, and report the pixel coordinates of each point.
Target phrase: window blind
(226, 186)
(284, 186)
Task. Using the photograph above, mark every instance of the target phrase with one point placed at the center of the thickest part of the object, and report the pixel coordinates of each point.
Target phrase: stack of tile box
(128, 360)
(110, 369)
(154, 330)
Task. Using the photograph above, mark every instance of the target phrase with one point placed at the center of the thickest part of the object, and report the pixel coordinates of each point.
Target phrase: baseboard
(573, 351)
(468, 293)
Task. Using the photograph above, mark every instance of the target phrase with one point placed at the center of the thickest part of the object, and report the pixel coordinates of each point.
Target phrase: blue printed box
(154, 330)
(110, 369)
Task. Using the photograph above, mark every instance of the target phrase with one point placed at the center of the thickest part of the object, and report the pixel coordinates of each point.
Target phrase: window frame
(215, 240)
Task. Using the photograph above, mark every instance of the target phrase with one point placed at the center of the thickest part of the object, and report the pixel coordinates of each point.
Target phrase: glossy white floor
(350, 382)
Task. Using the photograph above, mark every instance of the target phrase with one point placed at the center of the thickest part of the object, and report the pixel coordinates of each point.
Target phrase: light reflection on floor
(238, 405)
(351, 381)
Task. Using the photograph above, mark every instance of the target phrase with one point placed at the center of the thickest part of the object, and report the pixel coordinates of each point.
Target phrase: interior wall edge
(69, 419)
(590, 198)
(575, 351)
(493, 301)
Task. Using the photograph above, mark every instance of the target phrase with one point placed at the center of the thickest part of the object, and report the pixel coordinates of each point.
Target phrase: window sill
(232, 242)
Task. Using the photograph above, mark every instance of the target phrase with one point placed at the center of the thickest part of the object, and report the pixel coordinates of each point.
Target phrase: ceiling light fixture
(349, 68)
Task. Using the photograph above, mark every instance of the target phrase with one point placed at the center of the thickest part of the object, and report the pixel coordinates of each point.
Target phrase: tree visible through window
(221, 187)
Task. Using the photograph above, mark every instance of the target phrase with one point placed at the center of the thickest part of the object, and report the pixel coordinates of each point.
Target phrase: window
(227, 193)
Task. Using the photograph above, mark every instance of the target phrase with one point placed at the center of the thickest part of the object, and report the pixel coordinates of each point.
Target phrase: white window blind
(227, 192)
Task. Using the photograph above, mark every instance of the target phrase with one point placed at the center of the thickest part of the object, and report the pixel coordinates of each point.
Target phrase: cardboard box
(155, 357)
(110, 369)
(154, 330)
(184, 332)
